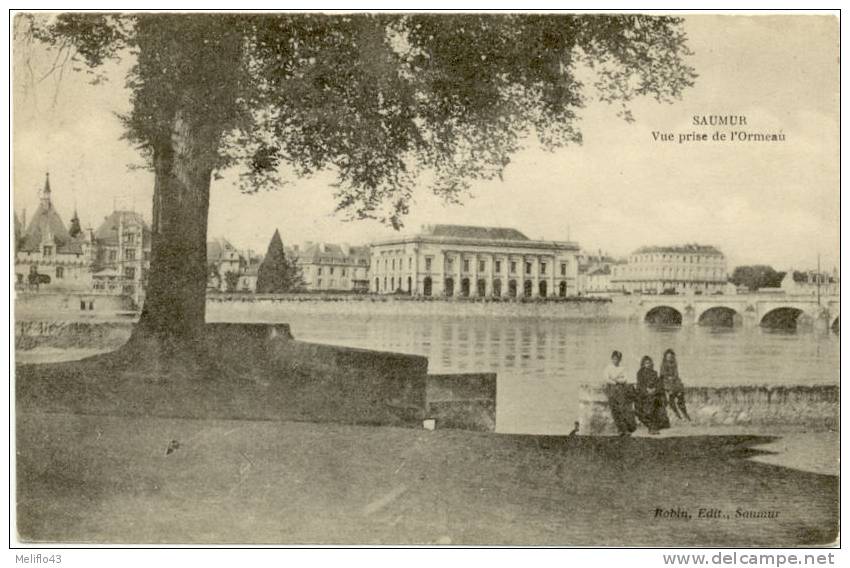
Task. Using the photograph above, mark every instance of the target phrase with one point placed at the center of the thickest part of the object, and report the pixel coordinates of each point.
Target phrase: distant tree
(277, 273)
(231, 280)
(756, 276)
(383, 101)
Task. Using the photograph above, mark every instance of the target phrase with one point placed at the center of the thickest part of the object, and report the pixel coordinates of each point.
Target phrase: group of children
(648, 399)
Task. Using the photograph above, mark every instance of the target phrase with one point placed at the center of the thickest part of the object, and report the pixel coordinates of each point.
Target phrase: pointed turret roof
(75, 229)
(45, 224)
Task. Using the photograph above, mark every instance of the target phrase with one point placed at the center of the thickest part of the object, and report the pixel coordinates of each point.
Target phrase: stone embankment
(71, 334)
(269, 308)
(810, 407)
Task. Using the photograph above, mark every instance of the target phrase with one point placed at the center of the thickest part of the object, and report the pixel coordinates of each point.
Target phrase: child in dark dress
(651, 399)
(673, 385)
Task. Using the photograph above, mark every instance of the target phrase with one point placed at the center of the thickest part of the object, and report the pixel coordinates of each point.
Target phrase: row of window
(129, 272)
(390, 284)
(677, 271)
(330, 272)
(676, 258)
(482, 265)
(111, 254)
(329, 260)
(332, 283)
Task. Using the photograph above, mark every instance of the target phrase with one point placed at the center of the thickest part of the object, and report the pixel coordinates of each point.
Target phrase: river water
(541, 362)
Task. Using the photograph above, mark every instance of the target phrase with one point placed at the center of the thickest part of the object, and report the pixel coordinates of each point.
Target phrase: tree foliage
(278, 273)
(384, 100)
(756, 276)
(231, 281)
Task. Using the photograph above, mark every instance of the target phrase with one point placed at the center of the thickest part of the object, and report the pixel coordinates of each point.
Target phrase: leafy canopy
(382, 99)
(756, 277)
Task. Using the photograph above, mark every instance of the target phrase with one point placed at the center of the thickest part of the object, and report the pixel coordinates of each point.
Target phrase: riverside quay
(467, 261)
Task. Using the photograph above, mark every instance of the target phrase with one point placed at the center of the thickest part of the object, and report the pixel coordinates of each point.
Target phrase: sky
(759, 202)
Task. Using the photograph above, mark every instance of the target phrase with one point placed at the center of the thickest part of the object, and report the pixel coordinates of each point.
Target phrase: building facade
(330, 267)
(682, 269)
(596, 274)
(225, 263)
(111, 261)
(811, 283)
(468, 261)
(122, 260)
(49, 256)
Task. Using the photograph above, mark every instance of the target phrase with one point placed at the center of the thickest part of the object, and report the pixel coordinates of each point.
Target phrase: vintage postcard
(420, 278)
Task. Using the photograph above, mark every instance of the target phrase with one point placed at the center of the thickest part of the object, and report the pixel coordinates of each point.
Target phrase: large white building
(468, 261)
(680, 269)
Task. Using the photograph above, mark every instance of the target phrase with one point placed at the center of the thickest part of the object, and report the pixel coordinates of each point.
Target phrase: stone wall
(344, 384)
(69, 334)
(250, 307)
(465, 401)
(67, 305)
(814, 407)
(281, 378)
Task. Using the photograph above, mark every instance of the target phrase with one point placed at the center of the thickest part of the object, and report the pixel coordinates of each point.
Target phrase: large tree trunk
(172, 319)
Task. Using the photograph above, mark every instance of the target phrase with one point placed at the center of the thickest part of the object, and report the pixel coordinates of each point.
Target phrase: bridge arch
(663, 315)
(720, 316)
(783, 317)
(836, 324)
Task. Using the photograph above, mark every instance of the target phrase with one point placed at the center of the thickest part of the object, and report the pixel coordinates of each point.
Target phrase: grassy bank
(112, 479)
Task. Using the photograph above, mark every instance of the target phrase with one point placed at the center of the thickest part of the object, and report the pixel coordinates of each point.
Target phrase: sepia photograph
(425, 278)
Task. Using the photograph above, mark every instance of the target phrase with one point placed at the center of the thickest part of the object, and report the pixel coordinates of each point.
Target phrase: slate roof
(691, 248)
(47, 221)
(107, 233)
(312, 252)
(474, 232)
(217, 247)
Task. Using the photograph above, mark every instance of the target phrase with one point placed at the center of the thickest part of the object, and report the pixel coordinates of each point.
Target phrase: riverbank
(112, 479)
(270, 308)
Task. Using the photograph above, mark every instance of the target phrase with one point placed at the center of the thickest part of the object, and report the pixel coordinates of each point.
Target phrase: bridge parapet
(748, 310)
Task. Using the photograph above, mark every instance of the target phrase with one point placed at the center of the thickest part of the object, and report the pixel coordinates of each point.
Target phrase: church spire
(75, 229)
(45, 193)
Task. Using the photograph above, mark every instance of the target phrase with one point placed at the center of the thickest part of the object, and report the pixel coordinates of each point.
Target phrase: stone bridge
(749, 310)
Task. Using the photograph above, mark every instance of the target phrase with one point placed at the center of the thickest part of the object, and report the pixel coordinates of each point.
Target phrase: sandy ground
(55, 354)
(88, 478)
(813, 451)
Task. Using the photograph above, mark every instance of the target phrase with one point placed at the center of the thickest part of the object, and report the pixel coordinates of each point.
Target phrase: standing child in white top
(620, 395)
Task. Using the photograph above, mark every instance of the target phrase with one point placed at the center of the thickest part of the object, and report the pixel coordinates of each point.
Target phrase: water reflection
(541, 362)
